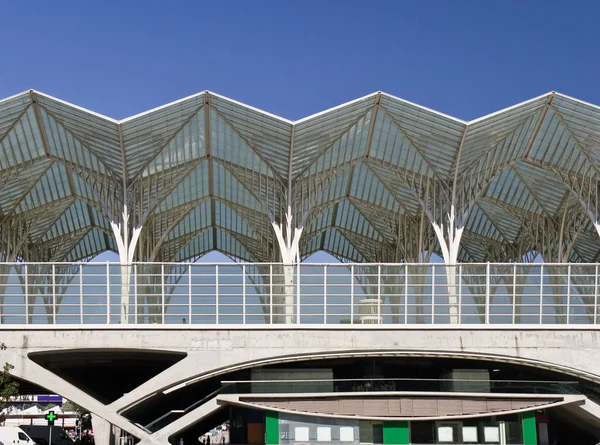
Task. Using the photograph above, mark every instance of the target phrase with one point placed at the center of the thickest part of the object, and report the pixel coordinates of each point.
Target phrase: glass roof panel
(186, 145)
(90, 245)
(193, 188)
(52, 186)
(99, 134)
(366, 186)
(348, 217)
(314, 135)
(231, 245)
(311, 245)
(268, 135)
(543, 185)
(480, 223)
(227, 218)
(393, 148)
(145, 135)
(18, 186)
(63, 145)
(362, 164)
(198, 218)
(226, 144)
(350, 146)
(21, 143)
(555, 146)
(435, 135)
(230, 189)
(582, 121)
(74, 218)
(485, 134)
(336, 244)
(336, 188)
(10, 110)
(504, 221)
(509, 189)
(182, 249)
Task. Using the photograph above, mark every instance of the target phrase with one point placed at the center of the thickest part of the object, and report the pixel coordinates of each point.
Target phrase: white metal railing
(332, 294)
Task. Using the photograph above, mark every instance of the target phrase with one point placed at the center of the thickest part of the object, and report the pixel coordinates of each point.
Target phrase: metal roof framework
(378, 179)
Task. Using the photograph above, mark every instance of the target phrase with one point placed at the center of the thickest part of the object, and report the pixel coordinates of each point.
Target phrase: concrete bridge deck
(214, 350)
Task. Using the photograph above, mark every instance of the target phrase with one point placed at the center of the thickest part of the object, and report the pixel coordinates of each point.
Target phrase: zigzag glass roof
(366, 178)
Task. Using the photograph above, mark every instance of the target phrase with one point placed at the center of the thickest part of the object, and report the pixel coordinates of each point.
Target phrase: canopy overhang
(378, 179)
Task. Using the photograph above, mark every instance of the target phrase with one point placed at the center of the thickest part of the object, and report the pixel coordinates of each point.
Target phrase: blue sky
(464, 58)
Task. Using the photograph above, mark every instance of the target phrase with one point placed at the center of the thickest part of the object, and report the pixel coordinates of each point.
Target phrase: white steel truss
(376, 179)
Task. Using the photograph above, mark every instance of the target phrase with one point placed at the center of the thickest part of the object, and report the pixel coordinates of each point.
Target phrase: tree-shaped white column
(126, 246)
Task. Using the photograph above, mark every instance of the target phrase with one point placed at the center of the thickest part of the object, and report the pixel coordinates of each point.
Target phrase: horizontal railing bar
(386, 293)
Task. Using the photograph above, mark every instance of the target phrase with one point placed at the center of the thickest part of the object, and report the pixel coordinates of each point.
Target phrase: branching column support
(126, 245)
(594, 217)
(289, 247)
(449, 238)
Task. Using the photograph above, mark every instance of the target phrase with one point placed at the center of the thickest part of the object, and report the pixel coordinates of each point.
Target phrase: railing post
(352, 294)
(81, 293)
(190, 294)
(569, 294)
(53, 293)
(433, 295)
(298, 293)
(325, 294)
(216, 294)
(135, 294)
(108, 292)
(243, 293)
(514, 298)
(541, 292)
(595, 321)
(271, 293)
(162, 292)
(379, 294)
(487, 293)
(26, 292)
(460, 293)
(406, 294)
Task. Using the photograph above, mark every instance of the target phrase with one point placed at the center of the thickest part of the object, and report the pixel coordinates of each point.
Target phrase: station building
(428, 222)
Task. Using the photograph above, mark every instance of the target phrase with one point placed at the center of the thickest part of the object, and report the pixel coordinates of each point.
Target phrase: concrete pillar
(396, 432)
(529, 428)
(103, 431)
(271, 428)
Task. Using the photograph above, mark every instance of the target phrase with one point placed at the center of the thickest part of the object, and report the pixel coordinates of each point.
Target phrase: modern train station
(377, 273)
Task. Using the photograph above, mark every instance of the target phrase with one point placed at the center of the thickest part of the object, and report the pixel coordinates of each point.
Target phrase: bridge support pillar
(103, 431)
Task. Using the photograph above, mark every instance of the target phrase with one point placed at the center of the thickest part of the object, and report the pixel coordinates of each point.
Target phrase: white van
(10, 435)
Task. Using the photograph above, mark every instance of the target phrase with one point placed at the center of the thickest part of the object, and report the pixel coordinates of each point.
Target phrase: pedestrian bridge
(203, 321)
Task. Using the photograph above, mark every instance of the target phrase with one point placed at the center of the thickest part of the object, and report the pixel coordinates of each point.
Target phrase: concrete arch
(568, 351)
(214, 350)
(566, 370)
